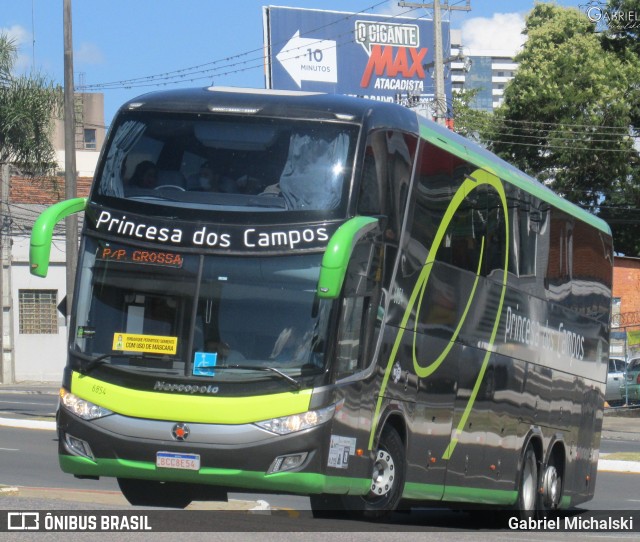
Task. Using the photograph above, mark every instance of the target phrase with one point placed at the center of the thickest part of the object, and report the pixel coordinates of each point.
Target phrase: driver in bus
(145, 175)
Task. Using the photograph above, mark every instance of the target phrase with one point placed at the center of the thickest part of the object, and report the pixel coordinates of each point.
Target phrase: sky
(120, 40)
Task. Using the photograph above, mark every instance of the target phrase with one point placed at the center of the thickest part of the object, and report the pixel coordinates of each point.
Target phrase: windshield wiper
(92, 363)
(295, 383)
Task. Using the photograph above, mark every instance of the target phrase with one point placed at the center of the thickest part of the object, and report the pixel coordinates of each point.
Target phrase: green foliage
(27, 109)
(468, 122)
(568, 115)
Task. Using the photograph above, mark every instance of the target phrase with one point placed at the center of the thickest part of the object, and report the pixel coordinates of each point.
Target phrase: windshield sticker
(204, 363)
(154, 344)
(85, 332)
(339, 451)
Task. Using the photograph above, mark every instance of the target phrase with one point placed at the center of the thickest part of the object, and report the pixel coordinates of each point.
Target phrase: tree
(468, 121)
(27, 109)
(567, 114)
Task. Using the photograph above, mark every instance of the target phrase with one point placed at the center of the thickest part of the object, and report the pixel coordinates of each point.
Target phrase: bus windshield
(238, 162)
(199, 313)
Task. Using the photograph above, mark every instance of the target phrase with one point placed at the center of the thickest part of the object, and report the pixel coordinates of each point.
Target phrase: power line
(197, 69)
(183, 75)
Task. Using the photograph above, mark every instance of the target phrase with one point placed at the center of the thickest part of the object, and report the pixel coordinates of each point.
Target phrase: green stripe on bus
(294, 482)
(155, 405)
(438, 492)
(514, 177)
(477, 178)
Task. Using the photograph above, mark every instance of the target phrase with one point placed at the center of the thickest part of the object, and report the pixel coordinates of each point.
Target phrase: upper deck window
(232, 163)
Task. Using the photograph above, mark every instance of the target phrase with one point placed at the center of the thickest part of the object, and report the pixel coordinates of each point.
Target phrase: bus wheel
(153, 493)
(528, 487)
(387, 478)
(551, 488)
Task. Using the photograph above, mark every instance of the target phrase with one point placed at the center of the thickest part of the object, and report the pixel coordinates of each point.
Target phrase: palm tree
(28, 105)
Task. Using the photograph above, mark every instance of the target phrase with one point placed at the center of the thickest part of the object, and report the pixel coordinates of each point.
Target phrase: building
(90, 133)
(489, 71)
(34, 333)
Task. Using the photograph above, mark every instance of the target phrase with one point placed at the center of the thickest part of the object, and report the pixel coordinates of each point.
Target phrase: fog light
(287, 462)
(77, 446)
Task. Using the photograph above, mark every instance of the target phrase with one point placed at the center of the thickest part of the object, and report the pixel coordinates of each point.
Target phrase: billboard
(381, 57)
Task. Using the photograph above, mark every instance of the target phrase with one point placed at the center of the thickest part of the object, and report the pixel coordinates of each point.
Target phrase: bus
(327, 296)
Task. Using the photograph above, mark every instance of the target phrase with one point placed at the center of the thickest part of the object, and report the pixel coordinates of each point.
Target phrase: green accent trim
(427, 492)
(336, 258)
(512, 176)
(155, 405)
(423, 372)
(477, 495)
(294, 482)
(435, 492)
(476, 179)
(42, 233)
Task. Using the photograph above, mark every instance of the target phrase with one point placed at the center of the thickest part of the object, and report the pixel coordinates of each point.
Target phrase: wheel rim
(551, 487)
(383, 474)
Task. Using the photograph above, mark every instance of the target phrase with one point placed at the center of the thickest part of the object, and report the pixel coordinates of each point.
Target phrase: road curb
(28, 424)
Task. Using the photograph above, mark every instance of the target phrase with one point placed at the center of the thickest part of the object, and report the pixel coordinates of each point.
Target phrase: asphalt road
(28, 459)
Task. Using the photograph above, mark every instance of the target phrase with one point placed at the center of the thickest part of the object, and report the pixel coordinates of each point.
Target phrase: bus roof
(322, 106)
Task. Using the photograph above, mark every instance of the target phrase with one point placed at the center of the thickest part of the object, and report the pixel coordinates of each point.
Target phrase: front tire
(153, 493)
(385, 491)
(387, 478)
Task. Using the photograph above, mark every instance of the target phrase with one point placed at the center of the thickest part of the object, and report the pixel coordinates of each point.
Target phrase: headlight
(81, 408)
(298, 422)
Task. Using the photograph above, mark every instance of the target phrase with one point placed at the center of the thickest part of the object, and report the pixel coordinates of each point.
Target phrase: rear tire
(153, 493)
(528, 486)
(551, 488)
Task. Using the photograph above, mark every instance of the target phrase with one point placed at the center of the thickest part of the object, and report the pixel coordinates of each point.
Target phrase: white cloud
(501, 32)
(88, 53)
(23, 41)
(17, 33)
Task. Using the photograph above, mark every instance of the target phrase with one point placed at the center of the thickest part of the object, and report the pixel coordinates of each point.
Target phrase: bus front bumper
(231, 456)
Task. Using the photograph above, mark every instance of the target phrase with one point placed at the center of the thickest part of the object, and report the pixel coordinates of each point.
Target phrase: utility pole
(7, 367)
(440, 101)
(71, 222)
(4, 213)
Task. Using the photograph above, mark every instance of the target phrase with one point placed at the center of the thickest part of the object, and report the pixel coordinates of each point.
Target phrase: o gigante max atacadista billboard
(375, 56)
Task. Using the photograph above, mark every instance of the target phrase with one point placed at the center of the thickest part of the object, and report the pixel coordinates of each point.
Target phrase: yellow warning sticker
(155, 344)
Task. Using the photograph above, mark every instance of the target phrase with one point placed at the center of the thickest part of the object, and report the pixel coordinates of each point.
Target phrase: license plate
(169, 460)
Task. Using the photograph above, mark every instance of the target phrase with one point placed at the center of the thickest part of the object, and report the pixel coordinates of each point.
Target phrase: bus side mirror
(338, 254)
(42, 233)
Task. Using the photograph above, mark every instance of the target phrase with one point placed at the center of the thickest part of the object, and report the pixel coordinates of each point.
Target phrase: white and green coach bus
(332, 297)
